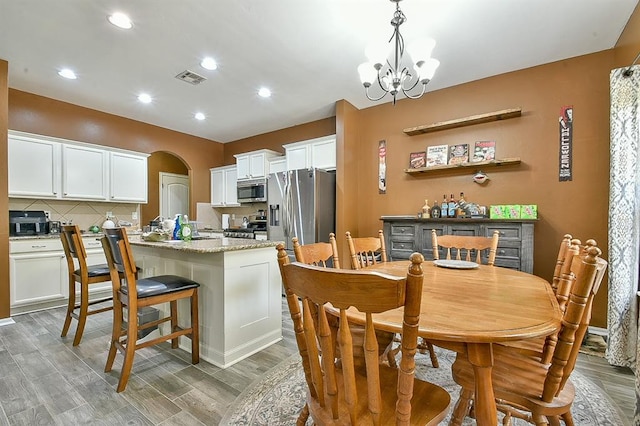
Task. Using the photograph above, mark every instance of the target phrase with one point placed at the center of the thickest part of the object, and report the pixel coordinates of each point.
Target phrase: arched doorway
(160, 162)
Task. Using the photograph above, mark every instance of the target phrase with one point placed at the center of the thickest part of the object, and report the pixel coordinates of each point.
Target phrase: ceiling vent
(190, 77)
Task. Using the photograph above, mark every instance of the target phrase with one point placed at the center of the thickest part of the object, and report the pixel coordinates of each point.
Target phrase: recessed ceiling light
(144, 98)
(120, 20)
(209, 63)
(199, 116)
(264, 92)
(67, 73)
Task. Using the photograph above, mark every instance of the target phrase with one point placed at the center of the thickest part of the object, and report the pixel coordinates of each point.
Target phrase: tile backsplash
(81, 213)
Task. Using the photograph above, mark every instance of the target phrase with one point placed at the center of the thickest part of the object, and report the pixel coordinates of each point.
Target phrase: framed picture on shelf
(417, 160)
(484, 151)
(459, 154)
(437, 155)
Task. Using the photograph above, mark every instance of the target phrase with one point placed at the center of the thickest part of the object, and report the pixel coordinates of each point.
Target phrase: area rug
(594, 344)
(276, 399)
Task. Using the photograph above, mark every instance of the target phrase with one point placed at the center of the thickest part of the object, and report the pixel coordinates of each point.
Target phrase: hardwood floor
(46, 381)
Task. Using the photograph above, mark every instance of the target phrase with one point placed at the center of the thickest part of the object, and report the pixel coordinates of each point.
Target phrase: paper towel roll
(225, 221)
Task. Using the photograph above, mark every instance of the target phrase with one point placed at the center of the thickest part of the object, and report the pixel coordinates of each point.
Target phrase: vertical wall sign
(382, 167)
(566, 140)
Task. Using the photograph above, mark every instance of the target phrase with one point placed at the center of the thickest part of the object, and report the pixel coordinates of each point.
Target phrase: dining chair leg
(82, 315)
(70, 306)
(174, 322)
(432, 354)
(129, 352)
(304, 415)
(461, 408)
(115, 334)
(554, 420)
(539, 420)
(568, 418)
(195, 329)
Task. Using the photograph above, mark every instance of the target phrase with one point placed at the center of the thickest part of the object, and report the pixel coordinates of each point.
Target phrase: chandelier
(390, 77)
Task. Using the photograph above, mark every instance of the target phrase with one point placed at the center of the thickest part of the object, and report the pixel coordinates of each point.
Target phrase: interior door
(174, 194)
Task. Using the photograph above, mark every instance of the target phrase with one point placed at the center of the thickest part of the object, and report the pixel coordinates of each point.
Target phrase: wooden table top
(487, 304)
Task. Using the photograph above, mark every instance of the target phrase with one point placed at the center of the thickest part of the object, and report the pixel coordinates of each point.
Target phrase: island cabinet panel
(239, 302)
(406, 234)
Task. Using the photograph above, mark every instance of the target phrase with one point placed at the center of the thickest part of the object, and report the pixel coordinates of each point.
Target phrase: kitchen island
(240, 307)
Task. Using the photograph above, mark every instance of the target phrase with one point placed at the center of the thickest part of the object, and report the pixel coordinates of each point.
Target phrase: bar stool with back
(133, 294)
(85, 275)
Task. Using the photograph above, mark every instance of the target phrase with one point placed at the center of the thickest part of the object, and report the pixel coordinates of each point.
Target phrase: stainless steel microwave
(252, 191)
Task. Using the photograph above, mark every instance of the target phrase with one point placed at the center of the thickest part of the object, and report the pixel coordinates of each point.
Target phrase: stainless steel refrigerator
(302, 203)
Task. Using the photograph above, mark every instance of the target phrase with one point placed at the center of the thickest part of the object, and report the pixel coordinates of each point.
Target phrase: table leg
(480, 355)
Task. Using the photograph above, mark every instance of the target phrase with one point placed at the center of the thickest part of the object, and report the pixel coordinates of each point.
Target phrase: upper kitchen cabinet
(277, 164)
(128, 177)
(317, 153)
(74, 170)
(34, 167)
(224, 183)
(254, 164)
(84, 173)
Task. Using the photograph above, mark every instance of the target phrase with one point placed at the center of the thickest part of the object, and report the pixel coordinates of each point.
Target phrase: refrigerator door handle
(286, 208)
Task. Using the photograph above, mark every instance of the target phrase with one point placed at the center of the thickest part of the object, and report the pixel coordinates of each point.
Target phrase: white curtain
(623, 347)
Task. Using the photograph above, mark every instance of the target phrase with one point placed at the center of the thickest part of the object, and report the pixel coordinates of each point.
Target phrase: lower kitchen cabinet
(38, 273)
(407, 234)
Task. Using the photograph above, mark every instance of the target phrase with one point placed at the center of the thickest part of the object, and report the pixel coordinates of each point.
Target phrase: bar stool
(85, 275)
(134, 294)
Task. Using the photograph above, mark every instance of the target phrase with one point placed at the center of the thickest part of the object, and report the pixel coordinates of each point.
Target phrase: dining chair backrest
(463, 247)
(339, 392)
(318, 254)
(366, 251)
(585, 268)
(564, 246)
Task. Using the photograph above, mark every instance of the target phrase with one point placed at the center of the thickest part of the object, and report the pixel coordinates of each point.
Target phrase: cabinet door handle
(501, 252)
(38, 246)
(402, 231)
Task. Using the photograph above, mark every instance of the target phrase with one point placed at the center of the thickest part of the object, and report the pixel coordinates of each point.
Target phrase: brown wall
(4, 190)
(275, 140)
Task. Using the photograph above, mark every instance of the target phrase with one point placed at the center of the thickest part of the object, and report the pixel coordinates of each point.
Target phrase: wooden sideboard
(407, 234)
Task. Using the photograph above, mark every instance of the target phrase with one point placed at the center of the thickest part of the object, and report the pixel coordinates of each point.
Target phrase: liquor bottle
(462, 206)
(444, 208)
(186, 228)
(453, 207)
(435, 210)
(425, 209)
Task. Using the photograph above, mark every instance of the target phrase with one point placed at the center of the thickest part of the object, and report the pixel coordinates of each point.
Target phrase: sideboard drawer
(403, 230)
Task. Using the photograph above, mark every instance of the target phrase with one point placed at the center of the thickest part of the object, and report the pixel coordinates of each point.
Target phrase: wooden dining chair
(133, 294)
(318, 254)
(340, 391)
(366, 251)
(464, 247)
(523, 386)
(85, 275)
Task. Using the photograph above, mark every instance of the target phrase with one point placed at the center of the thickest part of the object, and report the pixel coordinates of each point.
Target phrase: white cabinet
(317, 153)
(224, 187)
(278, 164)
(38, 272)
(255, 164)
(34, 167)
(84, 172)
(47, 167)
(128, 177)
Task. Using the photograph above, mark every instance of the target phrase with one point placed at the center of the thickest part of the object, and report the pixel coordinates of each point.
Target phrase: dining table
(468, 308)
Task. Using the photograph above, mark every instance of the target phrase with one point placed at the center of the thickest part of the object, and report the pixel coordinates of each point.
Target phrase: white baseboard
(598, 330)
(6, 321)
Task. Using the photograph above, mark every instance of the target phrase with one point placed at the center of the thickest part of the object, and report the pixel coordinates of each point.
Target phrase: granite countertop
(212, 245)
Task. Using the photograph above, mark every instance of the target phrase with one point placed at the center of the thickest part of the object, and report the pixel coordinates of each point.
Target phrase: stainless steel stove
(255, 230)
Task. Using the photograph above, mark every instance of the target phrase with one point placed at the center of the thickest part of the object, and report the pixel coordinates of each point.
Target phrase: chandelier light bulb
(428, 69)
(367, 73)
(420, 50)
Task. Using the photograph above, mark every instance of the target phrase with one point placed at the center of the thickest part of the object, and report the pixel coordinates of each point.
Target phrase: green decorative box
(512, 211)
(497, 212)
(529, 211)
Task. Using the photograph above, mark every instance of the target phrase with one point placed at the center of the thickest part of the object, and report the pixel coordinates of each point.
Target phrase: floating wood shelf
(464, 166)
(465, 121)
